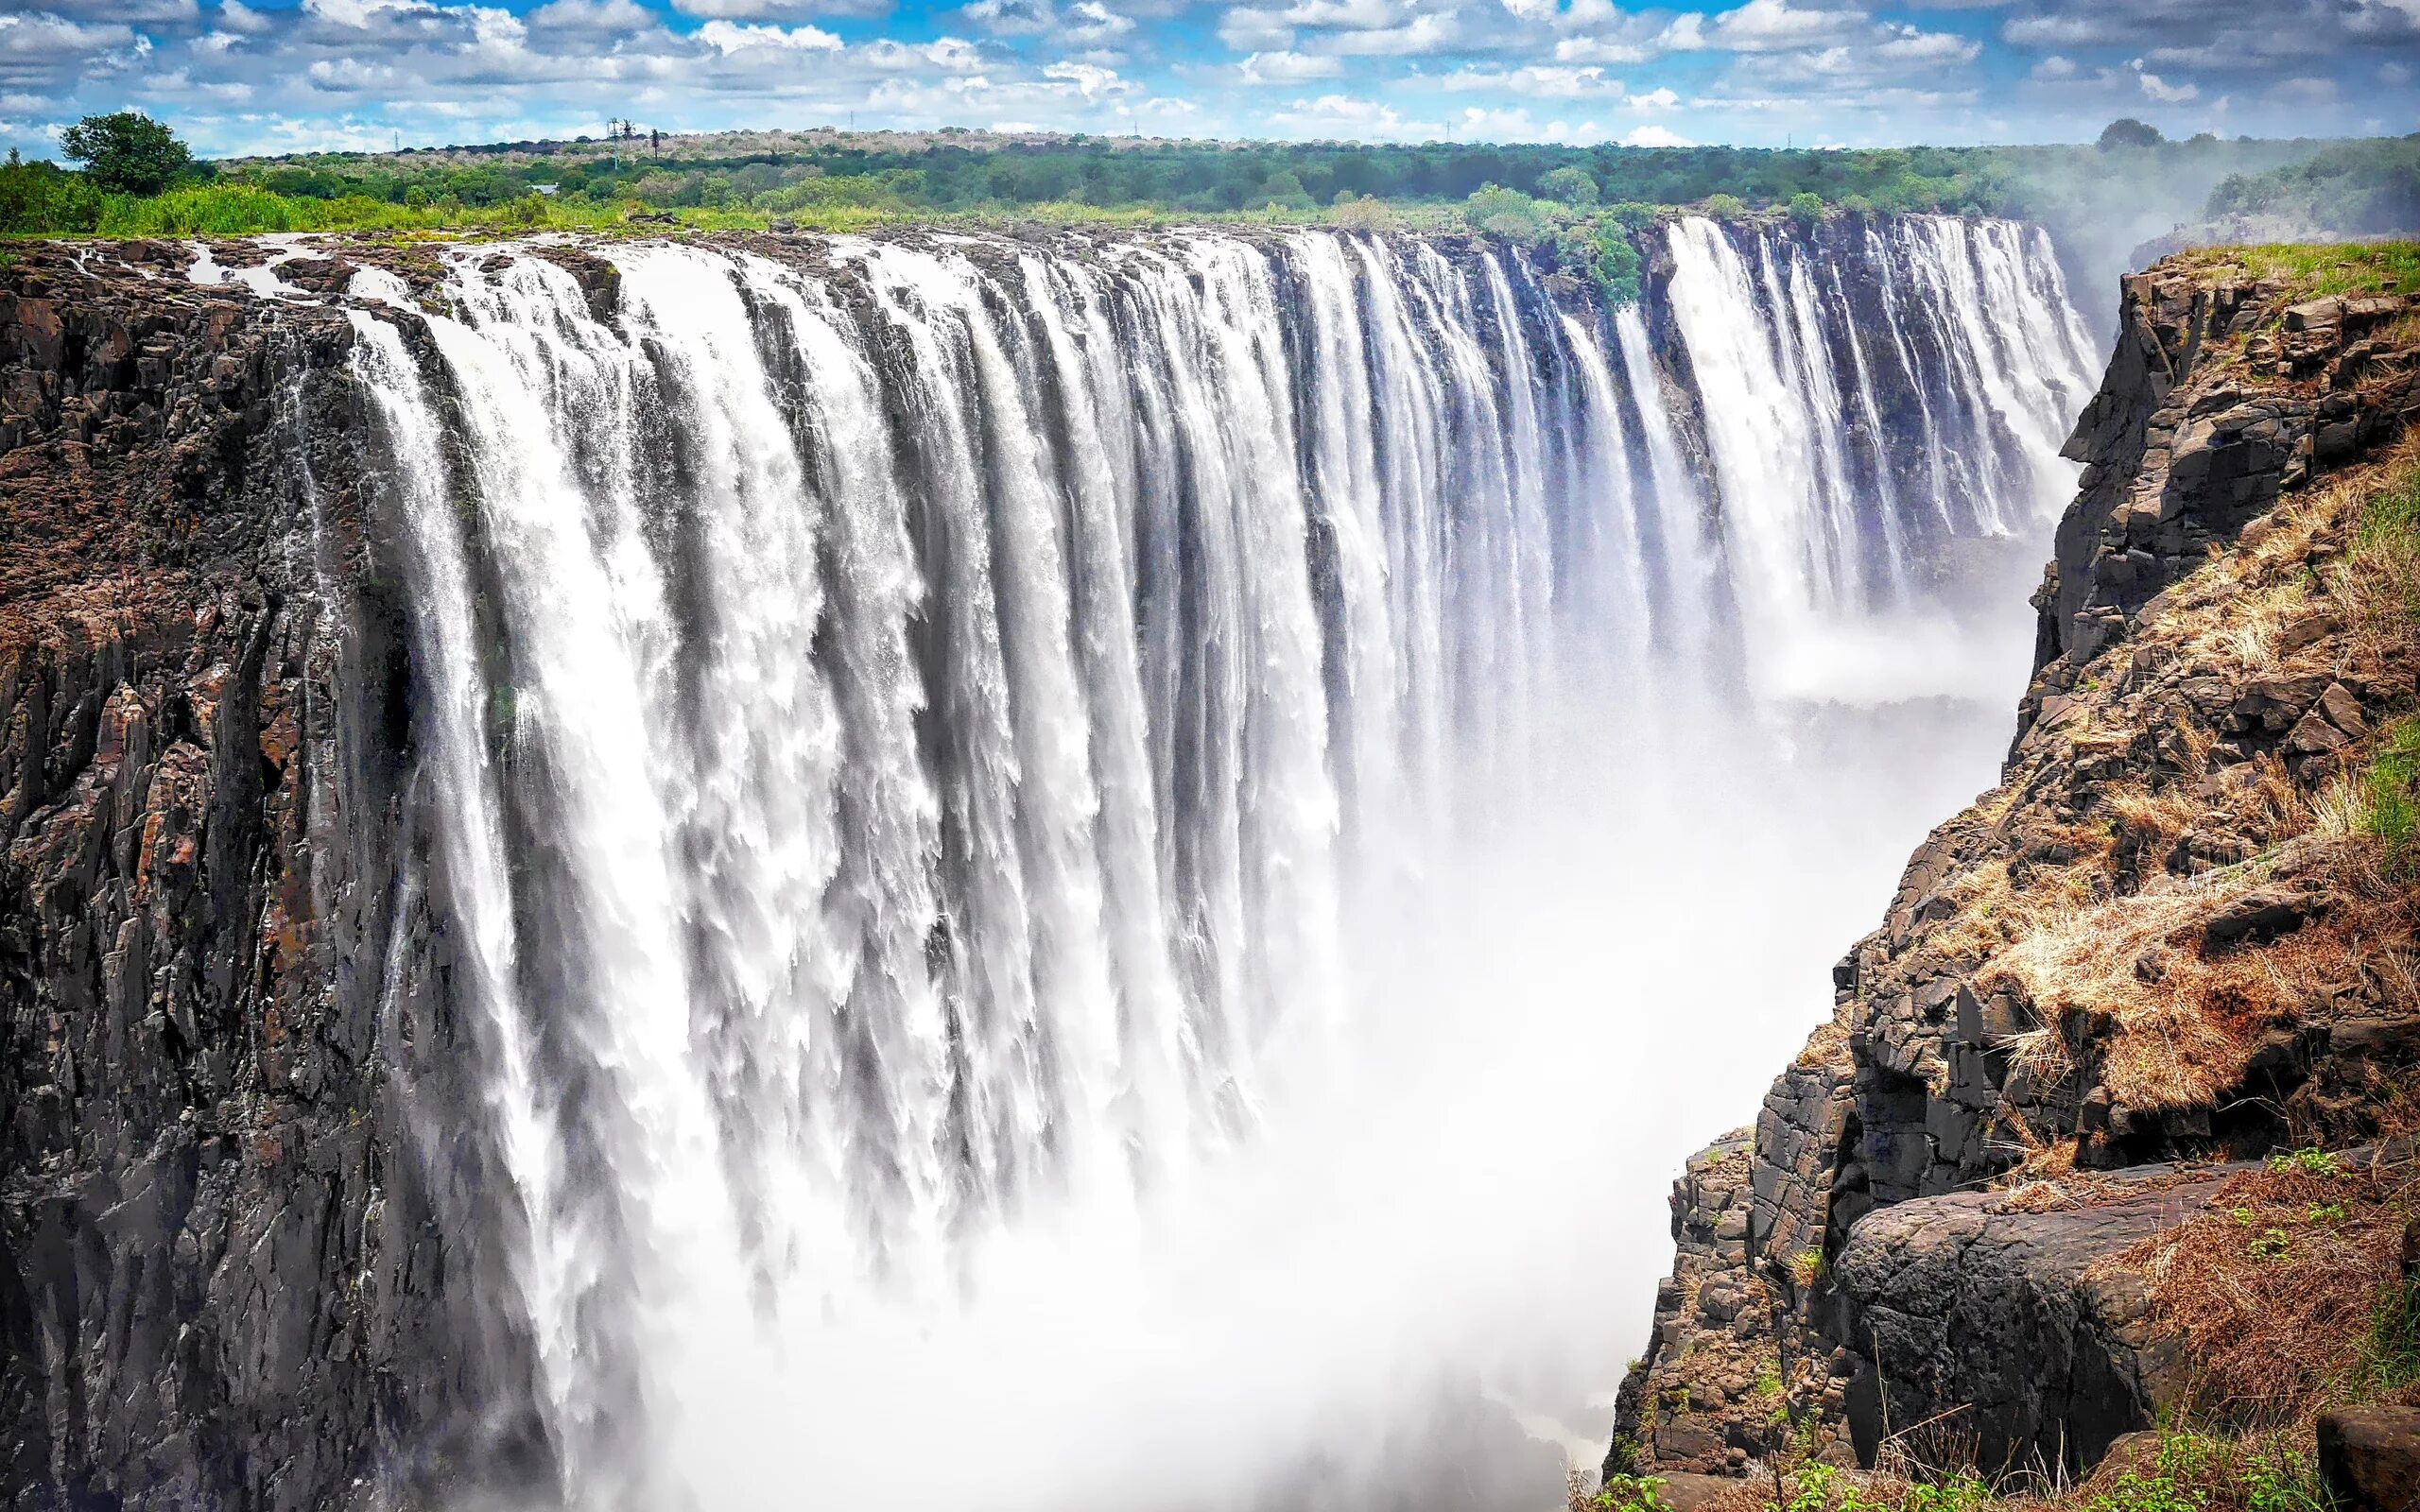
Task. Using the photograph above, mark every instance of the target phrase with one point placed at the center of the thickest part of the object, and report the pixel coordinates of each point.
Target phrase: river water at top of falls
(1084, 872)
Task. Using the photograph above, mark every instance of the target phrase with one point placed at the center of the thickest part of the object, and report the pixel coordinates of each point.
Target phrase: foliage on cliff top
(2312, 270)
(2092, 923)
(2126, 193)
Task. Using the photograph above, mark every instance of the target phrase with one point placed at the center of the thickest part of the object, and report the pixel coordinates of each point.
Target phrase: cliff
(2178, 934)
(220, 1271)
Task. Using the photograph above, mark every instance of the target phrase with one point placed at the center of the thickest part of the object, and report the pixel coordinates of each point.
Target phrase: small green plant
(1961, 1492)
(1807, 1267)
(2391, 1355)
(2281, 1480)
(2273, 1244)
(1630, 1493)
(2327, 1213)
(1769, 1381)
(2308, 1161)
(2391, 797)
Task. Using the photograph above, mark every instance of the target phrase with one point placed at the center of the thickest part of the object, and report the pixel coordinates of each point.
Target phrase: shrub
(1368, 213)
(1724, 207)
(39, 196)
(207, 210)
(1571, 186)
(126, 152)
(1600, 249)
(1633, 213)
(1506, 212)
(1806, 209)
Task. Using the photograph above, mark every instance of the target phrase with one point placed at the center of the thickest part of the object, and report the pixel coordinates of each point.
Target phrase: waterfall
(924, 733)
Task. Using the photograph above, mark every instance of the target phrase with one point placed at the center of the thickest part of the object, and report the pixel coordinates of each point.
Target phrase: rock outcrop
(220, 1271)
(2143, 947)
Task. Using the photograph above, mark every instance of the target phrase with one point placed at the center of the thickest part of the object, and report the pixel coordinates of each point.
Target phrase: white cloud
(1288, 68)
(1774, 25)
(1908, 45)
(2055, 67)
(1246, 30)
(1653, 136)
(1597, 50)
(1088, 80)
(1538, 80)
(1012, 18)
(779, 10)
(1685, 34)
(593, 15)
(2160, 89)
(360, 15)
(235, 16)
(1654, 99)
(729, 37)
(1434, 33)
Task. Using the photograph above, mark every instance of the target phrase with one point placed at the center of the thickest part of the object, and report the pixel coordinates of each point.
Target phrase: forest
(2102, 198)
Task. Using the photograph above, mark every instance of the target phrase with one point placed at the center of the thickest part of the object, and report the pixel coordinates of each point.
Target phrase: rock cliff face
(2150, 944)
(219, 1266)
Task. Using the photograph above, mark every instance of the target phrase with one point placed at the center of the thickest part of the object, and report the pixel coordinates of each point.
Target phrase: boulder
(2369, 1458)
(1969, 1308)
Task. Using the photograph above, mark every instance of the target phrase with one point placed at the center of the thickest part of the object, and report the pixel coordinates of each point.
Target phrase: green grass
(235, 208)
(2391, 797)
(2315, 270)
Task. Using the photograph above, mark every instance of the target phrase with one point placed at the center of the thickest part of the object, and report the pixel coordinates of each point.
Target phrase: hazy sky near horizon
(260, 75)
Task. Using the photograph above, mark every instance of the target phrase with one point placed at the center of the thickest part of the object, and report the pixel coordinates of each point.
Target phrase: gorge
(661, 873)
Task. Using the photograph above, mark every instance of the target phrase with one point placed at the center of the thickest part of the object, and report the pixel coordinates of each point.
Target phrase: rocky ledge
(2170, 942)
(220, 1271)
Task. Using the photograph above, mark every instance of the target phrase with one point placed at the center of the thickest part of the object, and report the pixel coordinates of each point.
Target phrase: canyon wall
(2148, 953)
(589, 829)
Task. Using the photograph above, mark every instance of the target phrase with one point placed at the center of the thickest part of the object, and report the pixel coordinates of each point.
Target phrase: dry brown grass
(2276, 1290)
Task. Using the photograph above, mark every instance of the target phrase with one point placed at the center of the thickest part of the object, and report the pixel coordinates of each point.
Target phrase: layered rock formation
(2146, 945)
(220, 1271)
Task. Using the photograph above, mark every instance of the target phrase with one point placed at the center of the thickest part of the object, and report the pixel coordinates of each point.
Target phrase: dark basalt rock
(1870, 1149)
(2369, 1458)
(1969, 1303)
(221, 1039)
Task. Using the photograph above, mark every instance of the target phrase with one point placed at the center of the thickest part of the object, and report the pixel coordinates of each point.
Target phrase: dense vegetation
(826, 178)
(2351, 188)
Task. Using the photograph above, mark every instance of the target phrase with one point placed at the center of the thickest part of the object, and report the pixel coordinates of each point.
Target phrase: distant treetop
(126, 152)
(2128, 132)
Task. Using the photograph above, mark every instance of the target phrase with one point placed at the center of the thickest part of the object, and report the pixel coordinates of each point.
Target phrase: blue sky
(253, 76)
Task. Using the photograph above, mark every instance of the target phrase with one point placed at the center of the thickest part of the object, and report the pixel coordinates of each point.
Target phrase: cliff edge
(2035, 1186)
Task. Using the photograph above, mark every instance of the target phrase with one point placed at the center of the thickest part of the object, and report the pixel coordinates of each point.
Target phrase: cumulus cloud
(1774, 25)
(1654, 136)
(1288, 68)
(593, 15)
(1599, 50)
(728, 37)
(2161, 90)
(1537, 81)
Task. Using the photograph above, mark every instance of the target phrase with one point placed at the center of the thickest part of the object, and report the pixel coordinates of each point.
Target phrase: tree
(2128, 132)
(126, 152)
(1806, 208)
(1568, 185)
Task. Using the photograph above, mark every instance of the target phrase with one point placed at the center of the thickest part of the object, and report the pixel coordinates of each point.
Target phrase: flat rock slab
(1979, 1317)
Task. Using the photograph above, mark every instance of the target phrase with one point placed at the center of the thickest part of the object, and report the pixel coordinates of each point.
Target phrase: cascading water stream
(930, 743)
